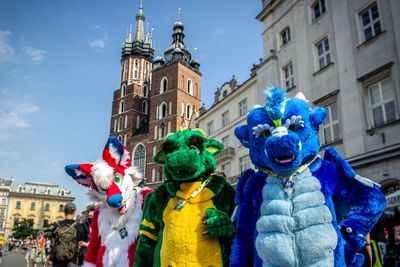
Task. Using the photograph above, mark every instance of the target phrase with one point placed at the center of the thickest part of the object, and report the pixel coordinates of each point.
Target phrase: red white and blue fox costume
(115, 223)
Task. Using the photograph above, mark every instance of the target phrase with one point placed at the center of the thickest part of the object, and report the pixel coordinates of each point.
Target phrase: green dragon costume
(186, 220)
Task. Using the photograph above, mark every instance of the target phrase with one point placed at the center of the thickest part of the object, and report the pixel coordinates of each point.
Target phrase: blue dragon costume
(285, 211)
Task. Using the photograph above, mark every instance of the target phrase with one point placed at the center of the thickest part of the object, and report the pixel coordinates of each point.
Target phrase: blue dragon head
(283, 134)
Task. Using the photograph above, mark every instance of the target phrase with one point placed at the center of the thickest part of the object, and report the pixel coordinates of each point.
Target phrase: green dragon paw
(218, 223)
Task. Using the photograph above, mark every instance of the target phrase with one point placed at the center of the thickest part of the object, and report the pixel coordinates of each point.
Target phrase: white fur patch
(116, 253)
(102, 174)
(135, 175)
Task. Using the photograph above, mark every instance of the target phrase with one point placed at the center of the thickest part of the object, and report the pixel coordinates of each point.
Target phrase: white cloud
(100, 43)
(7, 51)
(35, 55)
(14, 115)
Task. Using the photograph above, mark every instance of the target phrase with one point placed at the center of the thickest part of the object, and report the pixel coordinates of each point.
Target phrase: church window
(120, 123)
(123, 90)
(164, 85)
(189, 87)
(121, 106)
(144, 107)
(162, 130)
(125, 70)
(139, 158)
(163, 110)
(188, 111)
(136, 67)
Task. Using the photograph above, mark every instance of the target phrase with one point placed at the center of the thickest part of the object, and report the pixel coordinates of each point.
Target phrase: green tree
(23, 229)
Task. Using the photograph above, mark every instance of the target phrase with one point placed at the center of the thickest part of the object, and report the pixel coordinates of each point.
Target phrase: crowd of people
(64, 246)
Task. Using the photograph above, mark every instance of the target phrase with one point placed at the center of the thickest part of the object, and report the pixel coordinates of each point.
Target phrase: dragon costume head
(188, 155)
(282, 134)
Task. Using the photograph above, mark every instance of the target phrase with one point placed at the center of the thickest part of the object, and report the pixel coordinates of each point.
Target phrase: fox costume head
(112, 179)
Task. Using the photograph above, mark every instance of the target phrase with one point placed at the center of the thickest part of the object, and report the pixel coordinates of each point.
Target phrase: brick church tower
(154, 98)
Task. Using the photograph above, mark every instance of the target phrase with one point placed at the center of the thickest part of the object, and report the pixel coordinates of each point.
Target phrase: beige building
(40, 202)
(231, 104)
(343, 55)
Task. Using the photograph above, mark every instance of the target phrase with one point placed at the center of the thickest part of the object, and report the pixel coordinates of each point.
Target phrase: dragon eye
(266, 133)
(193, 147)
(118, 178)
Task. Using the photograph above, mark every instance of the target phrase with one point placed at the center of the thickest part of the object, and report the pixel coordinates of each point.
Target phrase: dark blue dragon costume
(285, 212)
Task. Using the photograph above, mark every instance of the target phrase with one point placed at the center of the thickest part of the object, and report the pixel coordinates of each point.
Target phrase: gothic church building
(156, 96)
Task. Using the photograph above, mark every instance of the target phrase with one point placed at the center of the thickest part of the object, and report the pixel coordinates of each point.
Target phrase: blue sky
(60, 63)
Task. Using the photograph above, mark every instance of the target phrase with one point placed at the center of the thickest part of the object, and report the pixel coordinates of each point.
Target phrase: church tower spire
(139, 34)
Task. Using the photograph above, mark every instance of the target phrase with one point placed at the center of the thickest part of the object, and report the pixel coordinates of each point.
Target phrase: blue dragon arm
(366, 200)
(248, 200)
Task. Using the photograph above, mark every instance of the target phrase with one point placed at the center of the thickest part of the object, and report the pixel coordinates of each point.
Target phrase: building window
(323, 53)
(47, 207)
(331, 127)
(4, 201)
(45, 223)
(1, 225)
(164, 85)
(16, 220)
(370, 22)
(144, 107)
(162, 131)
(121, 106)
(123, 90)
(139, 158)
(48, 191)
(20, 188)
(2, 212)
(33, 205)
(318, 8)
(188, 111)
(120, 123)
(135, 67)
(189, 87)
(244, 163)
(226, 168)
(381, 102)
(34, 191)
(225, 141)
(225, 118)
(18, 205)
(285, 36)
(163, 110)
(61, 208)
(242, 107)
(288, 76)
(224, 93)
(210, 127)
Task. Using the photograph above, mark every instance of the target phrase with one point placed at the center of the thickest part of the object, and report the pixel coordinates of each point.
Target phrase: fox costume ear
(81, 173)
(213, 146)
(115, 153)
(242, 134)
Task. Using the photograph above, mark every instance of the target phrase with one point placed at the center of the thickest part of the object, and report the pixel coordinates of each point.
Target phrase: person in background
(30, 250)
(86, 227)
(40, 255)
(64, 242)
(379, 236)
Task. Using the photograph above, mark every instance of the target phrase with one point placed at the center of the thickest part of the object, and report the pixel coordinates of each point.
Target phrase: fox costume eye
(118, 178)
